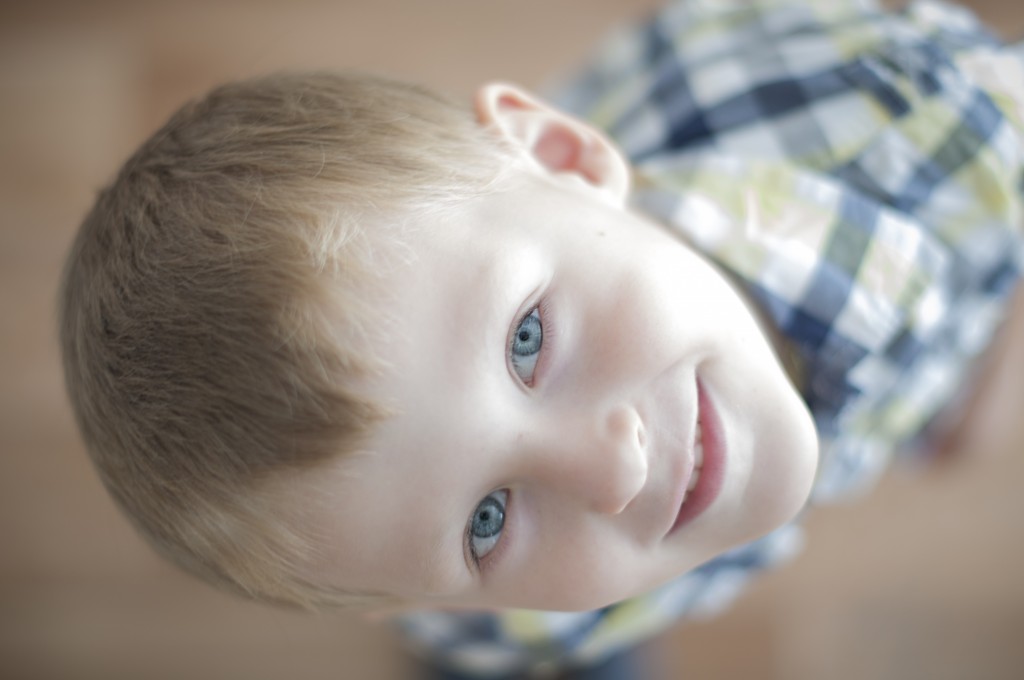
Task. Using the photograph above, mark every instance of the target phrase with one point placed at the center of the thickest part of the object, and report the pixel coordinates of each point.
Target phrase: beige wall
(921, 580)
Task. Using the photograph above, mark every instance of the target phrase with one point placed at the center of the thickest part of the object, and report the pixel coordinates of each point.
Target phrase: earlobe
(559, 143)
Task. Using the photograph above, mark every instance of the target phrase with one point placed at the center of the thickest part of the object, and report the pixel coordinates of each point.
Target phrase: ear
(559, 143)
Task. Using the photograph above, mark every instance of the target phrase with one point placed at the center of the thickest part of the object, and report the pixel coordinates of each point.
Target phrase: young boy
(334, 340)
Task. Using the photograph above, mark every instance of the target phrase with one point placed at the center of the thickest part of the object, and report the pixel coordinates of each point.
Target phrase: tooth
(693, 480)
(698, 454)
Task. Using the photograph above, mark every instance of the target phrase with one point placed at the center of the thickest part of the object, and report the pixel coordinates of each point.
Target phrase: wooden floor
(924, 579)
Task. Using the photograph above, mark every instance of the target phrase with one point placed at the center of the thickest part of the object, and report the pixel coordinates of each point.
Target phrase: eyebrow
(433, 569)
(489, 279)
(439, 573)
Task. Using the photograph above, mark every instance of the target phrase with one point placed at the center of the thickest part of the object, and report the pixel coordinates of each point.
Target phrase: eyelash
(547, 335)
(492, 557)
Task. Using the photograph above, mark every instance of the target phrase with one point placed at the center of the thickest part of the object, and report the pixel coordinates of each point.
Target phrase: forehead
(442, 322)
(360, 544)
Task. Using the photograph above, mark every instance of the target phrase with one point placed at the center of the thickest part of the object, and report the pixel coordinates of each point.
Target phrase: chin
(781, 502)
(784, 483)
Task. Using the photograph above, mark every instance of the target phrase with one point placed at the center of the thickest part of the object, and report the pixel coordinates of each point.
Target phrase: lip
(712, 471)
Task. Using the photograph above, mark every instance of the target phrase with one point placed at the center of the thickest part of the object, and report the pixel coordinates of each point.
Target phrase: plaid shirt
(859, 175)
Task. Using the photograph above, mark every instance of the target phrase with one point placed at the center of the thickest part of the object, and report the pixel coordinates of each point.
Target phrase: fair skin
(561, 370)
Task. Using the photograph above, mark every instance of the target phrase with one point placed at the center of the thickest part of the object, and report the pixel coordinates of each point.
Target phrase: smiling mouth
(698, 460)
(707, 472)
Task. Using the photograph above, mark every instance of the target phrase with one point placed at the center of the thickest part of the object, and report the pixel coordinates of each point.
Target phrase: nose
(601, 461)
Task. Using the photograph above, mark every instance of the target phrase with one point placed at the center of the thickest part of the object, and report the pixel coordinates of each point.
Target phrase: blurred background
(923, 579)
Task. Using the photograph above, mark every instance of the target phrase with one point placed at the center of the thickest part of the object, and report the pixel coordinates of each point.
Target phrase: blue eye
(525, 347)
(486, 524)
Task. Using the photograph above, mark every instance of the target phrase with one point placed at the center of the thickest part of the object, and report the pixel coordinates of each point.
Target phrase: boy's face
(559, 365)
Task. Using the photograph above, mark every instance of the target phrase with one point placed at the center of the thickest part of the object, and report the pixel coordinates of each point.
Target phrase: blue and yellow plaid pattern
(855, 176)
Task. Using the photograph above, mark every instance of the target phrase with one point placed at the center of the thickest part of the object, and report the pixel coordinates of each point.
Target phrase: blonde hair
(212, 305)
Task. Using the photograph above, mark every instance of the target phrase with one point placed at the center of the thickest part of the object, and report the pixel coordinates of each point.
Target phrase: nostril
(623, 469)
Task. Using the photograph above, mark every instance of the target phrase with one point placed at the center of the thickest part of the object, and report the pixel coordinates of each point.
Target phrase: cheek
(785, 461)
(575, 569)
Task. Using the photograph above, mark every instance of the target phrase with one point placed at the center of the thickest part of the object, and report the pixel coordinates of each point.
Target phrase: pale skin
(561, 370)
